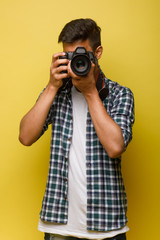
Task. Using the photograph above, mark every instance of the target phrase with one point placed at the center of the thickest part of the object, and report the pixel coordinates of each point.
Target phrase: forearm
(32, 123)
(108, 132)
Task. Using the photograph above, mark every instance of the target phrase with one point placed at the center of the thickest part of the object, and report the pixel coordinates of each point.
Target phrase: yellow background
(28, 38)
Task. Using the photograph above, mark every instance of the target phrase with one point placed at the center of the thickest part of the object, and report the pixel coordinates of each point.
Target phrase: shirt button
(69, 139)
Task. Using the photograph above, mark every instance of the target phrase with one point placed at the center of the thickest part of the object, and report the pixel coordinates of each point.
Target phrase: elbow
(23, 140)
(116, 152)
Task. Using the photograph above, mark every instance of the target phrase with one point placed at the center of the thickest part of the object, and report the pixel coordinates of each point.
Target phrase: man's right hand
(57, 66)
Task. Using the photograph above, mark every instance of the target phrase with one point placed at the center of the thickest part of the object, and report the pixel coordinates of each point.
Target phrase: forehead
(71, 47)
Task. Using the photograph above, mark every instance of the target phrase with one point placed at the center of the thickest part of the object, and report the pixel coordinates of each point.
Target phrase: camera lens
(80, 65)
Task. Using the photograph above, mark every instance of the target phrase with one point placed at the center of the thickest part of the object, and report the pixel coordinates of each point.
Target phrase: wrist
(50, 93)
(91, 95)
(51, 88)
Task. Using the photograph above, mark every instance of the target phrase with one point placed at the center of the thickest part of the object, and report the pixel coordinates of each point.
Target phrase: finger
(57, 55)
(59, 71)
(58, 63)
(62, 68)
(61, 62)
(60, 76)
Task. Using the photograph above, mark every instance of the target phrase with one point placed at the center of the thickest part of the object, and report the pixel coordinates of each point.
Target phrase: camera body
(80, 60)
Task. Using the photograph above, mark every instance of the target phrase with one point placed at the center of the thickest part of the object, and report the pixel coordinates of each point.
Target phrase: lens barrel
(80, 64)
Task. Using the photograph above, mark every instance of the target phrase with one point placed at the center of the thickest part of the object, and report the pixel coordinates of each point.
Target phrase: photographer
(92, 120)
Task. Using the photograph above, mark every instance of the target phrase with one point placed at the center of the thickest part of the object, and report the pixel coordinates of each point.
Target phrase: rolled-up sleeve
(123, 112)
(49, 119)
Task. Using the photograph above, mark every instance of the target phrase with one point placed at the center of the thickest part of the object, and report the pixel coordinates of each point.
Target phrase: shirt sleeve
(48, 121)
(49, 118)
(123, 112)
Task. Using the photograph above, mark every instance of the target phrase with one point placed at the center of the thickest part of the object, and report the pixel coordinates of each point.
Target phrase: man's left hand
(85, 84)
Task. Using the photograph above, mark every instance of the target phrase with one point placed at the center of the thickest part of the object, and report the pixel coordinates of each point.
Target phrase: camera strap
(103, 91)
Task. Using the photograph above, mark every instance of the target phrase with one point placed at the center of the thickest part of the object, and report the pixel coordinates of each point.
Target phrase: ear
(98, 52)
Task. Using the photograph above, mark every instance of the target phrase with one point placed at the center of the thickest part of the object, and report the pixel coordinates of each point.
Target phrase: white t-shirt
(77, 191)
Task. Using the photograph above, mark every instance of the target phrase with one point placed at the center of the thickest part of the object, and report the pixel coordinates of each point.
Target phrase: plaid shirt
(106, 196)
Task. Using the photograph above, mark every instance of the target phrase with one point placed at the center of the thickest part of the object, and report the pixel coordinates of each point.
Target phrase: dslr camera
(80, 61)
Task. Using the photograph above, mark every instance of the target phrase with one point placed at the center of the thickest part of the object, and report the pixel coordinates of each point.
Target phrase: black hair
(81, 29)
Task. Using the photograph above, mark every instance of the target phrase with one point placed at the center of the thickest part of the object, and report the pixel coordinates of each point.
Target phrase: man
(92, 120)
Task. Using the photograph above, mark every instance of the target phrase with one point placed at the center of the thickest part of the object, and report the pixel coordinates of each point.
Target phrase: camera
(80, 60)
